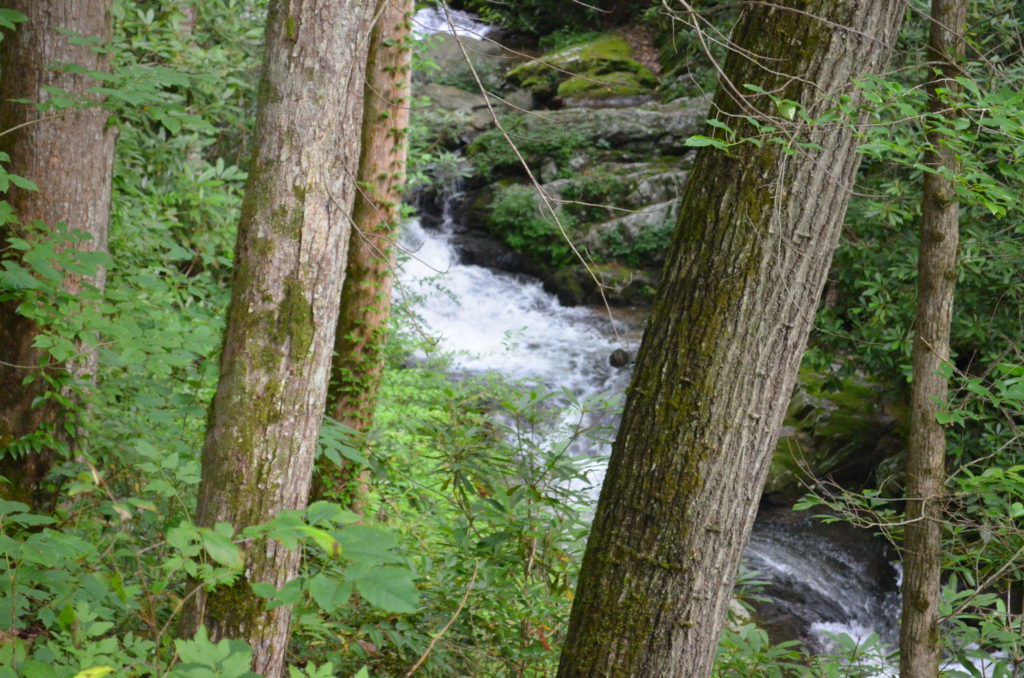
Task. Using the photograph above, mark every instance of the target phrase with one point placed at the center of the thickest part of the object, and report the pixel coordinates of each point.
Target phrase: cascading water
(431, 20)
(820, 580)
(504, 323)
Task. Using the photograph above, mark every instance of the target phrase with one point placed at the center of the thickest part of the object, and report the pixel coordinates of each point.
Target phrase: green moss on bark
(297, 319)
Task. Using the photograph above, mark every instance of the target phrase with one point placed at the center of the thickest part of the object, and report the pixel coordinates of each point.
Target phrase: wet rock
(622, 286)
(814, 572)
(836, 435)
(602, 68)
(489, 59)
(480, 249)
(619, 358)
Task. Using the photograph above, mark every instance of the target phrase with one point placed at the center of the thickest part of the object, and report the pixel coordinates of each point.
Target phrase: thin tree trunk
(366, 296)
(936, 279)
(718, 361)
(289, 266)
(69, 155)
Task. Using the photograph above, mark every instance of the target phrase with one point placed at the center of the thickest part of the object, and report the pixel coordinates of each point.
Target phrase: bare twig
(444, 629)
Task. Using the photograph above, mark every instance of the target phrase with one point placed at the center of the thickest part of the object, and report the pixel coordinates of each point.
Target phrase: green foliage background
(471, 539)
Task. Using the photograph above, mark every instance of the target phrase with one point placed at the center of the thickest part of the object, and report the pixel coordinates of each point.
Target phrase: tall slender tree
(289, 267)
(719, 358)
(936, 280)
(366, 296)
(69, 155)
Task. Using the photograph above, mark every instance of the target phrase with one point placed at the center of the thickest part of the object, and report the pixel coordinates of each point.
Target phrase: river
(819, 580)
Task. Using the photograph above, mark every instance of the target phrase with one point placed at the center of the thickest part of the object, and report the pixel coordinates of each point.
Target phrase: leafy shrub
(567, 37)
(647, 248)
(516, 216)
(491, 154)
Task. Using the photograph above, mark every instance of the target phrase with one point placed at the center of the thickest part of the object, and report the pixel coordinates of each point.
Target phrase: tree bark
(936, 280)
(366, 296)
(289, 267)
(718, 361)
(69, 155)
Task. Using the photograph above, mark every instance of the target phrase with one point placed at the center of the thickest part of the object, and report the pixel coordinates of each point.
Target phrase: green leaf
(220, 547)
(328, 513)
(699, 141)
(17, 278)
(365, 544)
(8, 507)
(329, 592)
(324, 540)
(22, 182)
(787, 109)
(229, 658)
(264, 590)
(390, 589)
(9, 18)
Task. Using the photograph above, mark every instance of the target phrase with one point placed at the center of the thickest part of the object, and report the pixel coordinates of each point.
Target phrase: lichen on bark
(718, 361)
(70, 158)
(366, 297)
(292, 242)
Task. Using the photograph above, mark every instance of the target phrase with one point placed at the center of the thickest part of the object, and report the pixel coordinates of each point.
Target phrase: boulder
(836, 435)
(619, 358)
(489, 59)
(650, 225)
(469, 108)
(622, 286)
(481, 249)
(601, 68)
(653, 129)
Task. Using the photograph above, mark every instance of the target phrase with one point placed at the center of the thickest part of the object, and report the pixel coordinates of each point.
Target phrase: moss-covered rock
(617, 84)
(601, 68)
(576, 138)
(622, 286)
(841, 435)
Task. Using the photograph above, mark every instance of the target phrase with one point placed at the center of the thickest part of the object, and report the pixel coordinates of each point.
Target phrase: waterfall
(820, 579)
(430, 20)
(505, 323)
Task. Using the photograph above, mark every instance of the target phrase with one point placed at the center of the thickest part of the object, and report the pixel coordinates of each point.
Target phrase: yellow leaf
(95, 672)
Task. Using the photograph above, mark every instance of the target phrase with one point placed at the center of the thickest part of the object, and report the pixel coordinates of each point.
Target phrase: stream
(818, 579)
(815, 581)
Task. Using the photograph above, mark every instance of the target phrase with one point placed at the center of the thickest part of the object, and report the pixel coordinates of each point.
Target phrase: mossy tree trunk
(289, 266)
(936, 279)
(719, 358)
(366, 296)
(69, 156)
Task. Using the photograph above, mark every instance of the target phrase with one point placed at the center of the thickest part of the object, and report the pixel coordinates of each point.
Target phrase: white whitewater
(498, 322)
(431, 20)
(504, 323)
(493, 321)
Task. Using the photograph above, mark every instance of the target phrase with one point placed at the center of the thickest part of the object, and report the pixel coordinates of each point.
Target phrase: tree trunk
(69, 155)
(366, 296)
(718, 361)
(936, 279)
(289, 266)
